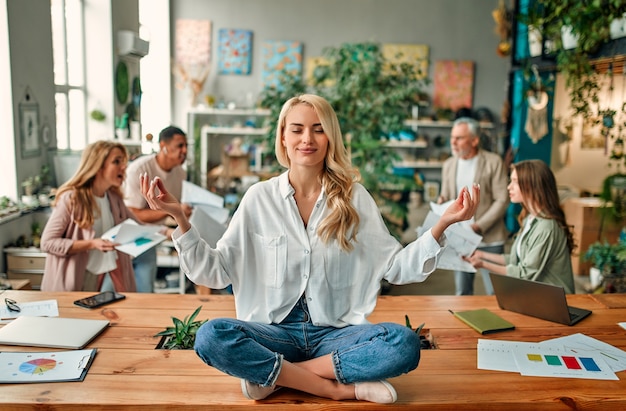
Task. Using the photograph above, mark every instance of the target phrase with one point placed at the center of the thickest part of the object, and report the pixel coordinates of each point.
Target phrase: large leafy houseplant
(372, 97)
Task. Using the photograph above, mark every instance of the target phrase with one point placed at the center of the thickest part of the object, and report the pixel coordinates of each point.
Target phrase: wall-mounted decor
(591, 136)
(122, 82)
(234, 51)
(29, 129)
(415, 54)
(193, 42)
(279, 57)
(453, 84)
(192, 55)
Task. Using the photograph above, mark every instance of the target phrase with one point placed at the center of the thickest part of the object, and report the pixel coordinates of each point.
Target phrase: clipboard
(39, 367)
(483, 320)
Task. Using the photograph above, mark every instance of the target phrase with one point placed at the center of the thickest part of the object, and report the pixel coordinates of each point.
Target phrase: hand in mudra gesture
(158, 197)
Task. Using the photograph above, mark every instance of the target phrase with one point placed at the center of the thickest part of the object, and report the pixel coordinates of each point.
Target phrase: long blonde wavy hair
(81, 183)
(338, 174)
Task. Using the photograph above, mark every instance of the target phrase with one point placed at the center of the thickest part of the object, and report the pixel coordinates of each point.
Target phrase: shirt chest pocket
(335, 263)
(271, 259)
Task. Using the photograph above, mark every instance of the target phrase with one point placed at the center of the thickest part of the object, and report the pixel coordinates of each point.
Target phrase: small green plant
(182, 335)
(610, 259)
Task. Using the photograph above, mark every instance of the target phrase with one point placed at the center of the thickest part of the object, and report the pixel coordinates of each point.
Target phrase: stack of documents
(573, 356)
(461, 240)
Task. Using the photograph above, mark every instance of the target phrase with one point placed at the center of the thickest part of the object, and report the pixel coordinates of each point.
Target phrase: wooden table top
(128, 372)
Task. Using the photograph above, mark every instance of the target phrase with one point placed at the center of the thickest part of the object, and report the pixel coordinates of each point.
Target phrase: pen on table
(451, 312)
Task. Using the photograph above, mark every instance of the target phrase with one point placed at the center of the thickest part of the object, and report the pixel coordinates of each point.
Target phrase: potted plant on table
(610, 260)
(182, 335)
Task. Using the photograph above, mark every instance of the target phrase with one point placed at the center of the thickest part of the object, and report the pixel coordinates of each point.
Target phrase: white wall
(453, 29)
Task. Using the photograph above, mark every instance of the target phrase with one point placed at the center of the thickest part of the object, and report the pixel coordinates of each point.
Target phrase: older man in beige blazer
(470, 164)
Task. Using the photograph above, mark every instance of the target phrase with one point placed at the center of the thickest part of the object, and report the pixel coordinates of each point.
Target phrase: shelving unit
(169, 261)
(423, 149)
(222, 125)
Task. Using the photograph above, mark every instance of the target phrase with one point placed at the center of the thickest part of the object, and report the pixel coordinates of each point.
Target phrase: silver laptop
(537, 299)
(54, 332)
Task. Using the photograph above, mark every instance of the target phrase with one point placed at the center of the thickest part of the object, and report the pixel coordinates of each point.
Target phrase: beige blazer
(494, 197)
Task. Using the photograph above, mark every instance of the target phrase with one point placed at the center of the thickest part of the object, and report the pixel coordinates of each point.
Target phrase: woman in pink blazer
(86, 206)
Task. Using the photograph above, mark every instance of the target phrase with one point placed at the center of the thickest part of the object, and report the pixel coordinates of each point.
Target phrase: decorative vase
(618, 27)
(569, 39)
(121, 133)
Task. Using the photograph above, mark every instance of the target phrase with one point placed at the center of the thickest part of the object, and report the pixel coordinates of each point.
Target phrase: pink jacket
(66, 272)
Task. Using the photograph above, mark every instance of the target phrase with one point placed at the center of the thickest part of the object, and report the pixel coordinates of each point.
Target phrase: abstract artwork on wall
(415, 54)
(193, 42)
(453, 84)
(280, 57)
(591, 136)
(234, 51)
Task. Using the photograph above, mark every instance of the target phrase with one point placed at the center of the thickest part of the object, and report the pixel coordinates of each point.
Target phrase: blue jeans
(464, 282)
(145, 266)
(255, 351)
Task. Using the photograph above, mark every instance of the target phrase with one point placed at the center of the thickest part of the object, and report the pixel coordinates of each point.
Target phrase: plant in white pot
(610, 260)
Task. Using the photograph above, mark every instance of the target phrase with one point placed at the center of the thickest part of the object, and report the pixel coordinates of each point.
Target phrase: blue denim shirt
(271, 258)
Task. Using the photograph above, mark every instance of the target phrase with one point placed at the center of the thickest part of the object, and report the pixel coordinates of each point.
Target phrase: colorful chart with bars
(559, 364)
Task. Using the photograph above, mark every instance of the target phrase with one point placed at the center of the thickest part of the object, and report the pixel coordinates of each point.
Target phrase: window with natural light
(68, 44)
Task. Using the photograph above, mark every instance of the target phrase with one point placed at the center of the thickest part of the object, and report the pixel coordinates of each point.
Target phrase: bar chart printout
(548, 363)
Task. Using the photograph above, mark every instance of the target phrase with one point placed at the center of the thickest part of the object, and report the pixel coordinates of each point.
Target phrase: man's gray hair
(472, 125)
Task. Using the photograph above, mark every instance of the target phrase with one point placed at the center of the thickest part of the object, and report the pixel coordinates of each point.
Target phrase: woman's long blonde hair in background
(337, 177)
(81, 183)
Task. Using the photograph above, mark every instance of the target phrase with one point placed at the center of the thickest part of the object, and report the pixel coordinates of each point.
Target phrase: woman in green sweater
(543, 246)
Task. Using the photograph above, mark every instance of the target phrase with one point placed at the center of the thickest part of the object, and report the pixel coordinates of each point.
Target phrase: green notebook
(483, 321)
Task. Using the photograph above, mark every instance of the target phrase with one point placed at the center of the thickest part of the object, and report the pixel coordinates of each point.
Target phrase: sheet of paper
(210, 230)
(623, 325)
(134, 239)
(44, 308)
(613, 356)
(219, 214)
(461, 241)
(33, 367)
(497, 355)
(194, 194)
(553, 361)
(210, 203)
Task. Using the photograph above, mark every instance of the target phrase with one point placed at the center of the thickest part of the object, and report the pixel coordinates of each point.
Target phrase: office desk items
(56, 366)
(483, 320)
(542, 360)
(522, 296)
(46, 308)
(53, 332)
(128, 373)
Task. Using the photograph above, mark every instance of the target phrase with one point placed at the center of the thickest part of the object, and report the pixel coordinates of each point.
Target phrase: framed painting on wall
(29, 129)
(415, 54)
(234, 51)
(193, 42)
(280, 57)
(453, 84)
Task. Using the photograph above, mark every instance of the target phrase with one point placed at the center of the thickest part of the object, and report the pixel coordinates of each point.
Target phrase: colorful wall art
(280, 57)
(234, 51)
(193, 42)
(416, 54)
(453, 84)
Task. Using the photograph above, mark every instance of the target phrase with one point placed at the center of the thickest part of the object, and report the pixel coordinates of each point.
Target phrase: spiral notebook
(483, 320)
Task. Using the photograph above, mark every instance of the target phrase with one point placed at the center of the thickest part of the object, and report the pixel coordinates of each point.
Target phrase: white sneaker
(254, 391)
(380, 392)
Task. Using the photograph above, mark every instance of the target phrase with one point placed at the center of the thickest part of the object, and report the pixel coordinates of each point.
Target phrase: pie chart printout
(38, 366)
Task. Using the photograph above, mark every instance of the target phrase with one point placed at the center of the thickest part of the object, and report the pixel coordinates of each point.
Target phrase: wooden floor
(128, 373)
